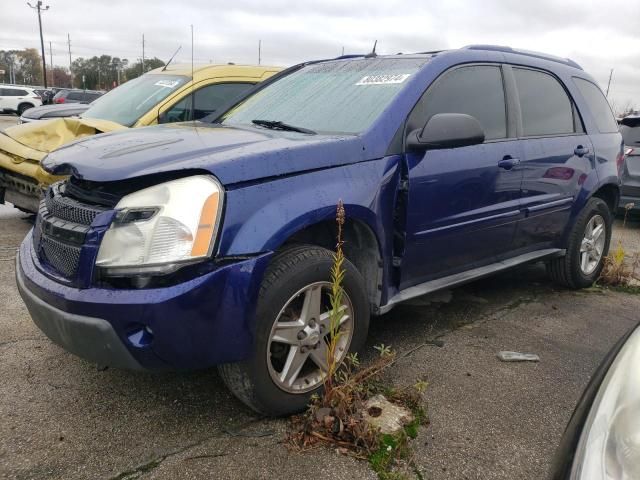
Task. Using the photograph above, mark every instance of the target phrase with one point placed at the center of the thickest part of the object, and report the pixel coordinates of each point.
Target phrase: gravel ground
(64, 419)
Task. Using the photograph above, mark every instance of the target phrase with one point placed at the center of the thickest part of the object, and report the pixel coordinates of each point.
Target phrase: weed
(620, 269)
(336, 418)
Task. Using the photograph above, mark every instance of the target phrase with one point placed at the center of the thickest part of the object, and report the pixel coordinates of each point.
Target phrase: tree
(135, 70)
(61, 77)
(27, 65)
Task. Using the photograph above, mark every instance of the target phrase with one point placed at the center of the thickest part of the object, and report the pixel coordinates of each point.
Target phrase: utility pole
(70, 71)
(343, 51)
(39, 7)
(53, 78)
(259, 51)
(609, 83)
(142, 54)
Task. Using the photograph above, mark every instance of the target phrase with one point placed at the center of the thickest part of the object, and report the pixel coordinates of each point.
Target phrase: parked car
(47, 112)
(160, 96)
(18, 99)
(76, 96)
(191, 245)
(630, 172)
(602, 439)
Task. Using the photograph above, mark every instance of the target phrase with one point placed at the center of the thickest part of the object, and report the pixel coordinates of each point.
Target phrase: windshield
(342, 96)
(131, 100)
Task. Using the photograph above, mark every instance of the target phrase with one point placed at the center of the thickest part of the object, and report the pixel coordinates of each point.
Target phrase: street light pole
(39, 7)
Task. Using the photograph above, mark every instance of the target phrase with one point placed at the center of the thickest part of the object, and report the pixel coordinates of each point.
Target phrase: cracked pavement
(64, 419)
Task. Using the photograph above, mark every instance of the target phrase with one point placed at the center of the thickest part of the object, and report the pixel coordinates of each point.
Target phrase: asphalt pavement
(62, 418)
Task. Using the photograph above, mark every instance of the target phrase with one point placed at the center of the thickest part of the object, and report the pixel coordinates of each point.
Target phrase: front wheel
(587, 247)
(23, 107)
(292, 332)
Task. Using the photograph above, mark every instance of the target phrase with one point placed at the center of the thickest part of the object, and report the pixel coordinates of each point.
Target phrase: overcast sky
(598, 34)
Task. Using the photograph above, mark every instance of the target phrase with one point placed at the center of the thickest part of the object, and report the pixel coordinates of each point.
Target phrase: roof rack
(543, 56)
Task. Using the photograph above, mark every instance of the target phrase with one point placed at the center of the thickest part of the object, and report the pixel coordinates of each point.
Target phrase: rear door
(557, 156)
(462, 202)
(630, 174)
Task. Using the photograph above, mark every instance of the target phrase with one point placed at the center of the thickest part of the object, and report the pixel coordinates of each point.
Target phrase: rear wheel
(587, 247)
(292, 332)
(23, 107)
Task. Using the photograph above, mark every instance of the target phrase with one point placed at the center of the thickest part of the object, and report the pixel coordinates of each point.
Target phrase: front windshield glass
(341, 96)
(131, 100)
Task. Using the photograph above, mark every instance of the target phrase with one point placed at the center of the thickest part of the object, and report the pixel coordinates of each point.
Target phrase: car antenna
(171, 59)
(373, 53)
(193, 100)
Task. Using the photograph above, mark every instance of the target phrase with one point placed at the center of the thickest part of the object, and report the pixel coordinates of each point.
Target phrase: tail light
(620, 160)
(59, 100)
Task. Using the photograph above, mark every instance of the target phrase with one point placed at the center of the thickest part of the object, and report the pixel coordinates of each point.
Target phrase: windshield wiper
(277, 125)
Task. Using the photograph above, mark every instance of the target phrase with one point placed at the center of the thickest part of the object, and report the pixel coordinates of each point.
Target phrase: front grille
(69, 209)
(61, 256)
(60, 229)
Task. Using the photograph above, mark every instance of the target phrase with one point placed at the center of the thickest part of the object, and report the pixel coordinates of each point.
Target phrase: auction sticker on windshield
(167, 83)
(383, 79)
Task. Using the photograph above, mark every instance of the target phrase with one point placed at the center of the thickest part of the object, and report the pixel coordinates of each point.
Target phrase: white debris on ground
(518, 357)
(388, 417)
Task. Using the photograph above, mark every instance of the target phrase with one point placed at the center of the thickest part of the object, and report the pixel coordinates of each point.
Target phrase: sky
(600, 35)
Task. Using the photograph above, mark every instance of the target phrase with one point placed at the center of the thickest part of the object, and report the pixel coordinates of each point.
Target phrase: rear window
(545, 106)
(75, 96)
(631, 135)
(598, 105)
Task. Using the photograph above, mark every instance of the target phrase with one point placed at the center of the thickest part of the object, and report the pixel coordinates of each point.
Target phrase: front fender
(261, 217)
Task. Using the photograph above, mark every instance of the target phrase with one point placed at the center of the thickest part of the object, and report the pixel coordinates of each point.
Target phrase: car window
(631, 135)
(209, 99)
(598, 105)
(546, 108)
(14, 92)
(475, 90)
(75, 96)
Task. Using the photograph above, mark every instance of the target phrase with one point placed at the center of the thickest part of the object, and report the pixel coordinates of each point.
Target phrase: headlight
(158, 229)
(609, 445)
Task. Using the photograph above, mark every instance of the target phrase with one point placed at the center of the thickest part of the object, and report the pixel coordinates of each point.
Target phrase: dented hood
(232, 154)
(32, 141)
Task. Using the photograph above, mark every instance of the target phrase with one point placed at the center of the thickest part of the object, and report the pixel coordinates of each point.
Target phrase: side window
(208, 100)
(545, 106)
(475, 90)
(74, 96)
(600, 109)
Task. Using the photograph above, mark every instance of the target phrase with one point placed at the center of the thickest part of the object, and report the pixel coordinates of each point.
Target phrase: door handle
(581, 151)
(508, 162)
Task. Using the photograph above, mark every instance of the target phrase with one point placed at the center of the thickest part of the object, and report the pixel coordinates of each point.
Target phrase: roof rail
(543, 56)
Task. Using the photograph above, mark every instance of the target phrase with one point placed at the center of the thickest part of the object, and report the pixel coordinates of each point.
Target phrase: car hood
(55, 111)
(232, 154)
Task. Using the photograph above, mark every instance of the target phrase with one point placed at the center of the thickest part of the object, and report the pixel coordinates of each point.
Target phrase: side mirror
(446, 130)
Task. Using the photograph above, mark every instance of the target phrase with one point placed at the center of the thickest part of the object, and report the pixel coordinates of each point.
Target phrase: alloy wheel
(297, 353)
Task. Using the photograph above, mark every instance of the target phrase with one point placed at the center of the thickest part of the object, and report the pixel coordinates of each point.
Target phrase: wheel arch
(610, 194)
(21, 104)
(361, 247)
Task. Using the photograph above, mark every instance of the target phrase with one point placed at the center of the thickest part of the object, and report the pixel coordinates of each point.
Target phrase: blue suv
(191, 245)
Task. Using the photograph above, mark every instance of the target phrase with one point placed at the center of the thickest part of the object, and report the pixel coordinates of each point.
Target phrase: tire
(568, 270)
(254, 381)
(23, 107)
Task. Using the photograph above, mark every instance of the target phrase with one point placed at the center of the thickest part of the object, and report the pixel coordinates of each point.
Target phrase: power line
(38, 7)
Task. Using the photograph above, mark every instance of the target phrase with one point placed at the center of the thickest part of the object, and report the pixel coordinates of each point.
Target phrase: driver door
(463, 203)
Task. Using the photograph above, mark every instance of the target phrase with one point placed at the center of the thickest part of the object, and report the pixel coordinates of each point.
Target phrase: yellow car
(163, 95)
